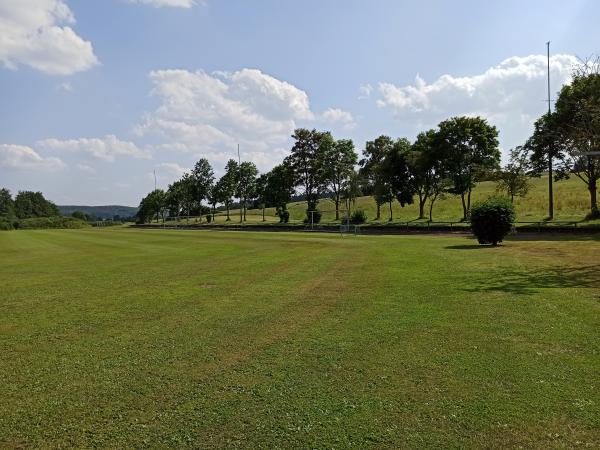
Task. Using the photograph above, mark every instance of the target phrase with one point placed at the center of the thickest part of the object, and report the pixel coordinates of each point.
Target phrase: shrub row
(41, 223)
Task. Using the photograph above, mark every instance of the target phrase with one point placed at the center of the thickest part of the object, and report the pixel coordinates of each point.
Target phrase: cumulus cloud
(107, 148)
(172, 3)
(365, 91)
(210, 114)
(173, 169)
(36, 33)
(510, 95)
(340, 117)
(21, 157)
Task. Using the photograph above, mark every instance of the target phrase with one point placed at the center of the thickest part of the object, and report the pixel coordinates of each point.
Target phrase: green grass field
(571, 204)
(127, 338)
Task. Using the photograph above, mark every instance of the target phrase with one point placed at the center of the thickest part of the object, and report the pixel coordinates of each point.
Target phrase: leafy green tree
(371, 170)
(175, 198)
(79, 215)
(352, 189)
(33, 204)
(203, 177)
(513, 178)
(280, 186)
(261, 192)
(7, 205)
(426, 165)
(577, 128)
(246, 185)
(469, 148)
(339, 159)
(306, 160)
(397, 173)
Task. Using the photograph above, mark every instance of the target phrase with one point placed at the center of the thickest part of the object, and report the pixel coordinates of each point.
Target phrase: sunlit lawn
(132, 338)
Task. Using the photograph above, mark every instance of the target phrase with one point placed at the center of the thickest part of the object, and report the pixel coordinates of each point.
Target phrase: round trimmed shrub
(492, 220)
(358, 216)
(283, 214)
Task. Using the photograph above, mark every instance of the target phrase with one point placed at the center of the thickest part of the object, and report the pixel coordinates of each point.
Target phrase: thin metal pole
(551, 150)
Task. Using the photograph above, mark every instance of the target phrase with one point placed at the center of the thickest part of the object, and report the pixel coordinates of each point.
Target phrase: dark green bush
(492, 220)
(358, 216)
(208, 218)
(39, 223)
(6, 224)
(283, 214)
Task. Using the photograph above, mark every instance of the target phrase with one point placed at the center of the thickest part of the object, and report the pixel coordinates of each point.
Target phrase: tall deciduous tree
(370, 164)
(513, 178)
(246, 186)
(203, 177)
(577, 122)
(7, 205)
(306, 160)
(397, 173)
(339, 161)
(469, 149)
(33, 204)
(280, 186)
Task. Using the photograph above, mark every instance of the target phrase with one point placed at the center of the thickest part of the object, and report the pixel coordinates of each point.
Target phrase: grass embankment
(570, 196)
(126, 338)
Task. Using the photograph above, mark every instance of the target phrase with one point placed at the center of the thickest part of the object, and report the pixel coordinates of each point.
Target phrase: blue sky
(98, 94)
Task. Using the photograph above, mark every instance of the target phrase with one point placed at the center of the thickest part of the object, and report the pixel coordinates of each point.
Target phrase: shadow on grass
(530, 281)
(467, 247)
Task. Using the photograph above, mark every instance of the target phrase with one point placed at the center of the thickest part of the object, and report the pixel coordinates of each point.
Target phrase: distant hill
(102, 212)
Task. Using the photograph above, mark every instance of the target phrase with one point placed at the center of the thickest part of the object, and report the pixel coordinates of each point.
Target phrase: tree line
(449, 159)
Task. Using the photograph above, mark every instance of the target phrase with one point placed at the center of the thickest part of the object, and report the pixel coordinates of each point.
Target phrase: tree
(577, 128)
(79, 215)
(370, 170)
(397, 173)
(7, 205)
(176, 197)
(339, 160)
(469, 149)
(352, 189)
(33, 204)
(228, 185)
(261, 192)
(246, 185)
(280, 186)
(427, 171)
(155, 204)
(306, 160)
(513, 178)
(203, 177)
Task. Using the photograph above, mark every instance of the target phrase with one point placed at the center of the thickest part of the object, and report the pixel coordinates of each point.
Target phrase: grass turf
(131, 338)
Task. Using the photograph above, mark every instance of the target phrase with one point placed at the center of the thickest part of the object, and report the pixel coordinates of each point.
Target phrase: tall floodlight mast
(550, 150)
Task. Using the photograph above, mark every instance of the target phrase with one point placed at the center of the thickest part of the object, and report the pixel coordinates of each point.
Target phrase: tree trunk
(227, 207)
(378, 211)
(263, 213)
(431, 208)
(391, 214)
(337, 206)
(464, 205)
(422, 200)
(469, 203)
(592, 187)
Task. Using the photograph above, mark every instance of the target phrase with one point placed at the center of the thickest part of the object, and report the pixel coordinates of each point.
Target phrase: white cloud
(64, 87)
(173, 3)
(365, 91)
(32, 33)
(510, 95)
(209, 114)
(26, 158)
(173, 169)
(106, 148)
(339, 116)
(86, 168)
